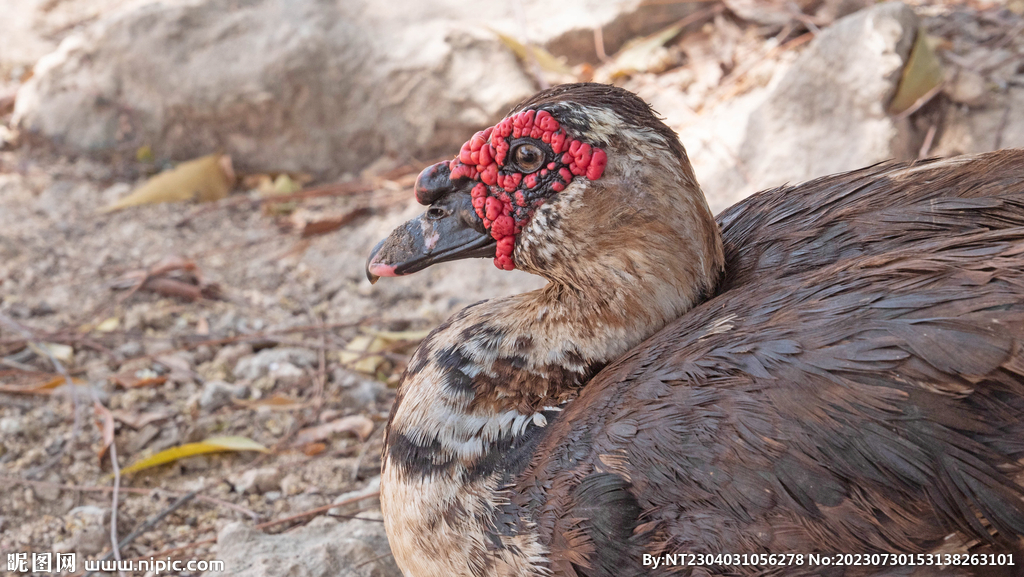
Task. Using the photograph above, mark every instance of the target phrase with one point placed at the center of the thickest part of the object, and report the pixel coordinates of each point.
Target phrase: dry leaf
(356, 424)
(134, 382)
(639, 55)
(46, 387)
(211, 445)
(179, 366)
(139, 420)
(105, 423)
(314, 449)
(542, 57)
(329, 224)
(187, 282)
(277, 402)
(921, 76)
(204, 179)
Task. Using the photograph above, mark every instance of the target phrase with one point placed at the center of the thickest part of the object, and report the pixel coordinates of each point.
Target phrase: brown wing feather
(857, 386)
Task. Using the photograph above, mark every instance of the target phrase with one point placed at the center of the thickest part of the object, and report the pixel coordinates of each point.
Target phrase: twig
(317, 511)
(531, 59)
(321, 373)
(599, 44)
(134, 490)
(364, 450)
(343, 189)
(116, 548)
(261, 526)
(228, 202)
(377, 558)
(924, 99)
(149, 524)
(728, 86)
(1002, 127)
(76, 425)
(926, 146)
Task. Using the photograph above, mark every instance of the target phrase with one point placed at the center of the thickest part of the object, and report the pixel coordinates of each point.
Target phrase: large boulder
(301, 85)
(826, 113)
(322, 548)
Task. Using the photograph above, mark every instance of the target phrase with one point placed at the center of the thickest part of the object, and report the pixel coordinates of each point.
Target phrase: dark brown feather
(856, 385)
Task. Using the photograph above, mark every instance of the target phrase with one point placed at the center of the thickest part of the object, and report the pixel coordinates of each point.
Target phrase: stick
(134, 490)
(149, 524)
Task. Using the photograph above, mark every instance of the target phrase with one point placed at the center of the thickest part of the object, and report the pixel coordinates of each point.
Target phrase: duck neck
(497, 368)
(476, 400)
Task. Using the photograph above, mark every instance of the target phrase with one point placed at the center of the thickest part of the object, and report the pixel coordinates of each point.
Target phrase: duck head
(576, 183)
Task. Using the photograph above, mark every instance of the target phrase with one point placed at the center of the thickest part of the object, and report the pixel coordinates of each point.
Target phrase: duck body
(841, 370)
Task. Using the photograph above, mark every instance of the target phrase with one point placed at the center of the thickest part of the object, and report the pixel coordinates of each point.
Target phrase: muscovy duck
(835, 367)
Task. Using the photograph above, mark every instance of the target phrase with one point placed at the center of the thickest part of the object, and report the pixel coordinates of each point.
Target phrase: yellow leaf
(144, 153)
(109, 325)
(284, 184)
(357, 353)
(211, 445)
(921, 75)
(63, 353)
(205, 179)
(544, 59)
(639, 55)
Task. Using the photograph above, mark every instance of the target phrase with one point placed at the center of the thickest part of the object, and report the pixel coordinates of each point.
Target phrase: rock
(298, 85)
(252, 367)
(352, 501)
(259, 480)
(217, 394)
(305, 85)
(228, 356)
(139, 439)
(11, 425)
(825, 114)
(357, 390)
(48, 492)
(770, 12)
(997, 124)
(89, 532)
(292, 484)
(967, 87)
(322, 548)
(285, 373)
(130, 349)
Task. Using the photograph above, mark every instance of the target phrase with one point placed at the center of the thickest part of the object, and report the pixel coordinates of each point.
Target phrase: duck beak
(449, 230)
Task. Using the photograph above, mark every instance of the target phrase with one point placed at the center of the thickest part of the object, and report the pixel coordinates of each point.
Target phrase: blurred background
(189, 190)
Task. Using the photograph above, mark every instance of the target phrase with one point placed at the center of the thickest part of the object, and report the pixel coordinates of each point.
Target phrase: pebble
(228, 356)
(217, 394)
(259, 480)
(968, 87)
(11, 425)
(254, 366)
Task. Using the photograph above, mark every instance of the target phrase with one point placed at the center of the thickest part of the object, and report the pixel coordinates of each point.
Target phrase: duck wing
(860, 394)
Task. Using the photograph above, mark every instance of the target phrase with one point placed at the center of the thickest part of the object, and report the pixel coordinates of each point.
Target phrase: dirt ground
(174, 323)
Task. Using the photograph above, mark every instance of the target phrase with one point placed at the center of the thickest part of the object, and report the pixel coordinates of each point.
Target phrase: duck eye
(528, 157)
